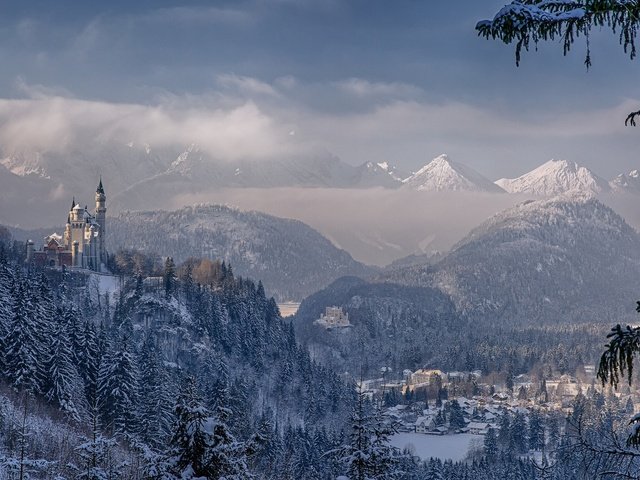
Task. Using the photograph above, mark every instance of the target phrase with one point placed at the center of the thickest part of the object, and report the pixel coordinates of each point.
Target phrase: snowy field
(445, 447)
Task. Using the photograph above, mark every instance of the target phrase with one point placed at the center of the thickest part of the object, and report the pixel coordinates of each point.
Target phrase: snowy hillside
(442, 174)
(291, 258)
(562, 259)
(382, 174)
(556, 177)
(629, 182)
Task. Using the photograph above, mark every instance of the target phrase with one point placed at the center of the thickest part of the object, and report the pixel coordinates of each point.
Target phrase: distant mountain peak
(629, 182)
(555, 177)
(442, 174)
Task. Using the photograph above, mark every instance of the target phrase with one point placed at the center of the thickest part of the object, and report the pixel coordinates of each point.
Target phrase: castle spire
(73, 202)
(100, 188)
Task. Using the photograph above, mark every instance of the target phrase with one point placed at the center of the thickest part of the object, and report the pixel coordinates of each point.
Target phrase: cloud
(364, 88)
(246, 117)
(246, 85)
(54, 123)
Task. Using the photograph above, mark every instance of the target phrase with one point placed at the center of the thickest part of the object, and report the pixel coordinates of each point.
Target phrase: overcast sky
(400, 80)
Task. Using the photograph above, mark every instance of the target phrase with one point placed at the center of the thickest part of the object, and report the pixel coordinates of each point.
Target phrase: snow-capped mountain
(292, 259)
(556, 177)
(381, 174)
(629, 182)
(568, 258)
(442, 174)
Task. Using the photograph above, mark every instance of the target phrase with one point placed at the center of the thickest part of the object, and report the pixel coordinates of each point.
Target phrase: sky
(400, 81)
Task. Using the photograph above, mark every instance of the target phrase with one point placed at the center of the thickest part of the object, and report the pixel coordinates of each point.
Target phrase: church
(83, 243)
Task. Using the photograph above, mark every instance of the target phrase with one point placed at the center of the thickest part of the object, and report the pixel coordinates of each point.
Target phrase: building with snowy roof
(333, 317)
(83, 243)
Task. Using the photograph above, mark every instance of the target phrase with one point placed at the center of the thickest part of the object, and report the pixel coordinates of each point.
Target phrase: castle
(83, 242)
(333, 317)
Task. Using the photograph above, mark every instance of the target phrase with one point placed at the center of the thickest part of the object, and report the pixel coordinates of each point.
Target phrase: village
(433, 402)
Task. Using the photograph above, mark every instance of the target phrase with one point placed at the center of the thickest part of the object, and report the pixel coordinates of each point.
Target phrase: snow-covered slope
(555, 177)
(442, 174)
(381, 174)
(292, 259)
(568, 258)
(629, 182)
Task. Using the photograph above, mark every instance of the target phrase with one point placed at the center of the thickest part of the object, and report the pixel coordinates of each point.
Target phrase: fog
(376, 226)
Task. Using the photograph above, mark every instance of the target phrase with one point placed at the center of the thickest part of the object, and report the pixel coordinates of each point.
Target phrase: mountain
(555, 178)
(538, 284)
(393, 325)
(565, 259)
(629, 182)
(135, 173)
(292, 259)
(442, 174)
(371, 174)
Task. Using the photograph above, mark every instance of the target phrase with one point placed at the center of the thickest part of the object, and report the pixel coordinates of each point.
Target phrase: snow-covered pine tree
(65, 387)
(88, 356)
(189, 454)
(368, 453)
(491, 444)
(229, 456)
(118, 387)
(24, 352)
(536, 431)
(456, 417)
(6, 307)
(156, 395)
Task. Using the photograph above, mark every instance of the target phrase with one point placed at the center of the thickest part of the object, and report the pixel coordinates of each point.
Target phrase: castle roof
(100, 188)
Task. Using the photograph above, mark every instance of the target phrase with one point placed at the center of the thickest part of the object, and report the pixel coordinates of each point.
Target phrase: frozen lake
(445, 447)
(289, 308)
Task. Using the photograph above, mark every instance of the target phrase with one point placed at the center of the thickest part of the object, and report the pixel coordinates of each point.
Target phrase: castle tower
(101, 218)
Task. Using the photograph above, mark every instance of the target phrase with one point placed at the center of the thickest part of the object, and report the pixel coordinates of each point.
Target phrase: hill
(290, 258)
(566, 259)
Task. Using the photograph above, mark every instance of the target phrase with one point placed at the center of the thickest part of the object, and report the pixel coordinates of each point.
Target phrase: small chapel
(83, 243)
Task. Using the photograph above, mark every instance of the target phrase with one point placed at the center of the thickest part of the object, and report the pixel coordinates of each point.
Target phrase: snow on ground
(105, 283)
(445, 447)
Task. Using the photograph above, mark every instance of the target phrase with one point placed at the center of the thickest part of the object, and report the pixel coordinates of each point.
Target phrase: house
(478, 428)
(425, 424)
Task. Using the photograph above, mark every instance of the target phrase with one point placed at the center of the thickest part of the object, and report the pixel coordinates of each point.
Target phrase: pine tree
(169, 276)
(368, 453)
(191, 442)
(519, 438)
(155, 403)
(65, 386)
(456, 417)
(491, 444)
(88, 357)
(536, 431)
(118, 387)
(24, 352)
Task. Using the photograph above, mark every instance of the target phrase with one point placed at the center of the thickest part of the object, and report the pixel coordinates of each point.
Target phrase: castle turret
(101, 219)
